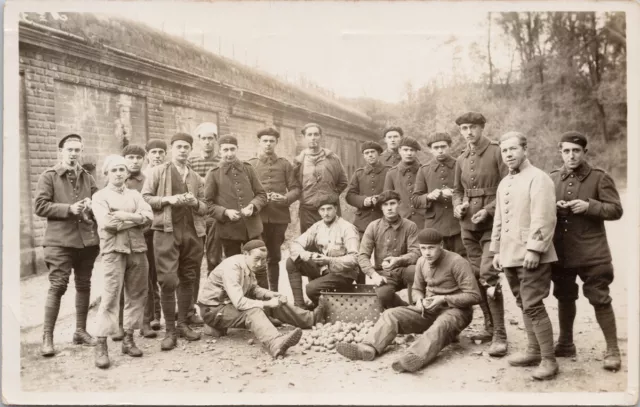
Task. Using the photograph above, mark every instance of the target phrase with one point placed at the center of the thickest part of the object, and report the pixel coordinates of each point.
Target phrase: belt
(474, 193)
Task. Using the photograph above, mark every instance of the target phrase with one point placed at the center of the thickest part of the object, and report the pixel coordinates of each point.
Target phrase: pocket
(524, 235)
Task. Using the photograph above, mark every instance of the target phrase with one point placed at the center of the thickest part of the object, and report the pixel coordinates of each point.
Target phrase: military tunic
(366, 181)
(402, 179)
(390, 158)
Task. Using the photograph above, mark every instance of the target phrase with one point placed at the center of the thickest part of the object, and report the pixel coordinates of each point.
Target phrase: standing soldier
(586, 197)
(282, 188)
(478, 172)
(392, 137)
(70, 240)
(235, 197)
(434, 193)
(176, 196)
(320, 173)
(402, 178)
(522, 241)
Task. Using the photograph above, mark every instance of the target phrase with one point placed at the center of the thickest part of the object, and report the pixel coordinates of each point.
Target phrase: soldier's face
(393, 139)
(156, 156)
(208, 141)
(71, 151)
(268, 144)
(572, 154)
(228, 152)
(117, 175)
(471, 132)
(371, 156)
(180, 151)
(513, 154)
(256, 259)
(134, 162)
(313, 136)
(390, 209)
(328, 213)
(440, 149)
(431, 252)
(407, 154)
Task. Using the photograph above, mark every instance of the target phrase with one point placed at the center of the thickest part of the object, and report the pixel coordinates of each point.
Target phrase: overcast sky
(353, 49)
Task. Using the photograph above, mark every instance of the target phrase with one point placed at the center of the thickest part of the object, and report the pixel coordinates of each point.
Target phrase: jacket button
(569, 192)
(571, 183)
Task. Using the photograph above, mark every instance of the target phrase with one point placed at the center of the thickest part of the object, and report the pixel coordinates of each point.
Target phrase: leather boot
(565, 347)
(295, 281)
(320, 312)
(532, 356)
(607, 321)
(195, 320)
(147, 332)
(612, 360)
(214, 332)
(184, 331)
(155, 324)
(275, 321)
(547, 369)
(498, 346)
(102, 353)
(487, 334)
(170, 340)
(47, 345)
(279, 345)
(119, 335)
(356, 351)
(129, 346)
(82, 337)
(409, 362)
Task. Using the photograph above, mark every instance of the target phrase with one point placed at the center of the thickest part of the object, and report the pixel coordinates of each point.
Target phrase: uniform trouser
(178, 260)
(256, 319)
(477, 242)
(439, 328)
(128, 274)
(454, 244)
(595, 283)
(152, 308)
(398, 280)
(60, 261)
(212, 245)
(317, 282)
(273, 234)
(362, 278)
(530, 287)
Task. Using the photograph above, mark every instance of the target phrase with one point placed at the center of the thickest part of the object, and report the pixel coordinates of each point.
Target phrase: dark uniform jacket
(234, 186)
(390, 158)
(438, 214)
(402, 179)
(330, 178)
(477, 175)
(580, 239)
(57, 190)
(276, 175)
(366, 181)
(135, 182)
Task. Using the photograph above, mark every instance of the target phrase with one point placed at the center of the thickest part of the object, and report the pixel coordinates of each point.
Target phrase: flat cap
(133, 149)
(471, 118)
(387, 196)
(429, 236)
(228, 139)
(269, 131)
(410, 142)
(392, 128)
(575, 138)
(253, 244)
(182, 137)
(439, 137)
(156, 143)
(71, 136)
(368, 145)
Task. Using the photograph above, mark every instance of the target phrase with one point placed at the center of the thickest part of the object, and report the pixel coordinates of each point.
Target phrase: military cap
(228, 139)
(575, 138)
(392, 128)
(429, 236)
(329, 199)
(471, 118)
(438, 137)
(156, 143)
(368, 145)
(253, 244)
(182, 137)
(410, 142)
(133, 149)
(71, 136)
(387, 196)
(269, 131)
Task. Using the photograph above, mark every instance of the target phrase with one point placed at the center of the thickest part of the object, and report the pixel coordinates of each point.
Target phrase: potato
(331, 346)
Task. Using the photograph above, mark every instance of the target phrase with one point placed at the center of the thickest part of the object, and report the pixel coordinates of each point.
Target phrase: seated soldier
(231, 298)
(327, 253)
(445, 290)
(394, 241)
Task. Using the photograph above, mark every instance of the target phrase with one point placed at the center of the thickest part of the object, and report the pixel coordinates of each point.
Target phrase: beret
(253, 244)
(387, 196)
(439, 137)
(182, 137)
(429, 236)
(392, 128)
(368, 145)
(228, 140)
(67, 137)
(269, 131)
(133, 149)
(328, 199)
(575, 138)
(156, 143)
(471, 118)
(112, 161)
(411, 142)
(205, 128)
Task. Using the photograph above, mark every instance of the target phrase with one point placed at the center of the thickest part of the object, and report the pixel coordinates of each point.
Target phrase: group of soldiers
(444, 230)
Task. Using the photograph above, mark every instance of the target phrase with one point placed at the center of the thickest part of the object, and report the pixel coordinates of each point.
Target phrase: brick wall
(69, 89)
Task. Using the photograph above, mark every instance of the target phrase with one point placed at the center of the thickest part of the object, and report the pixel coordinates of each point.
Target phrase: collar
(119, 190)
(395, 225)
(439, 259)
(60, 168)
(525, 164)
(448, 162)
(335, 222)
(226, 166)
(581, 172)
(268, 158)
(138, 177)
(300, 157)
(480, 147)
(376, 168)
(403, 168)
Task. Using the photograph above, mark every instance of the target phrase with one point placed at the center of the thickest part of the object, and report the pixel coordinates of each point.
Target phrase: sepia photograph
(281, 202)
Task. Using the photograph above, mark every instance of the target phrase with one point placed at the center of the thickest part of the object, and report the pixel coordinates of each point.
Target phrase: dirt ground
(232, 365)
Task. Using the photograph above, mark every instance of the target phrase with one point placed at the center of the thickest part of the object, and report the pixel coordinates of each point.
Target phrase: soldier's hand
(232, 214)
(531, 260)
(247, 210)
(282, 299)
(436, 301)
(434, 195)
(367, 201)
(578, 206)
(378, 280)
(480, 216)
(561, 204)
(272, 303)
(190, 200)
(459, 211)
(77, 207)
(392, 262)
(171, 200)
(447, 193)
(275, 197)
(121, 215)
(496, 262)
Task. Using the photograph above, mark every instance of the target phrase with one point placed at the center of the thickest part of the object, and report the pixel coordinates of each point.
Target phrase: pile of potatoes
(323, 337)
